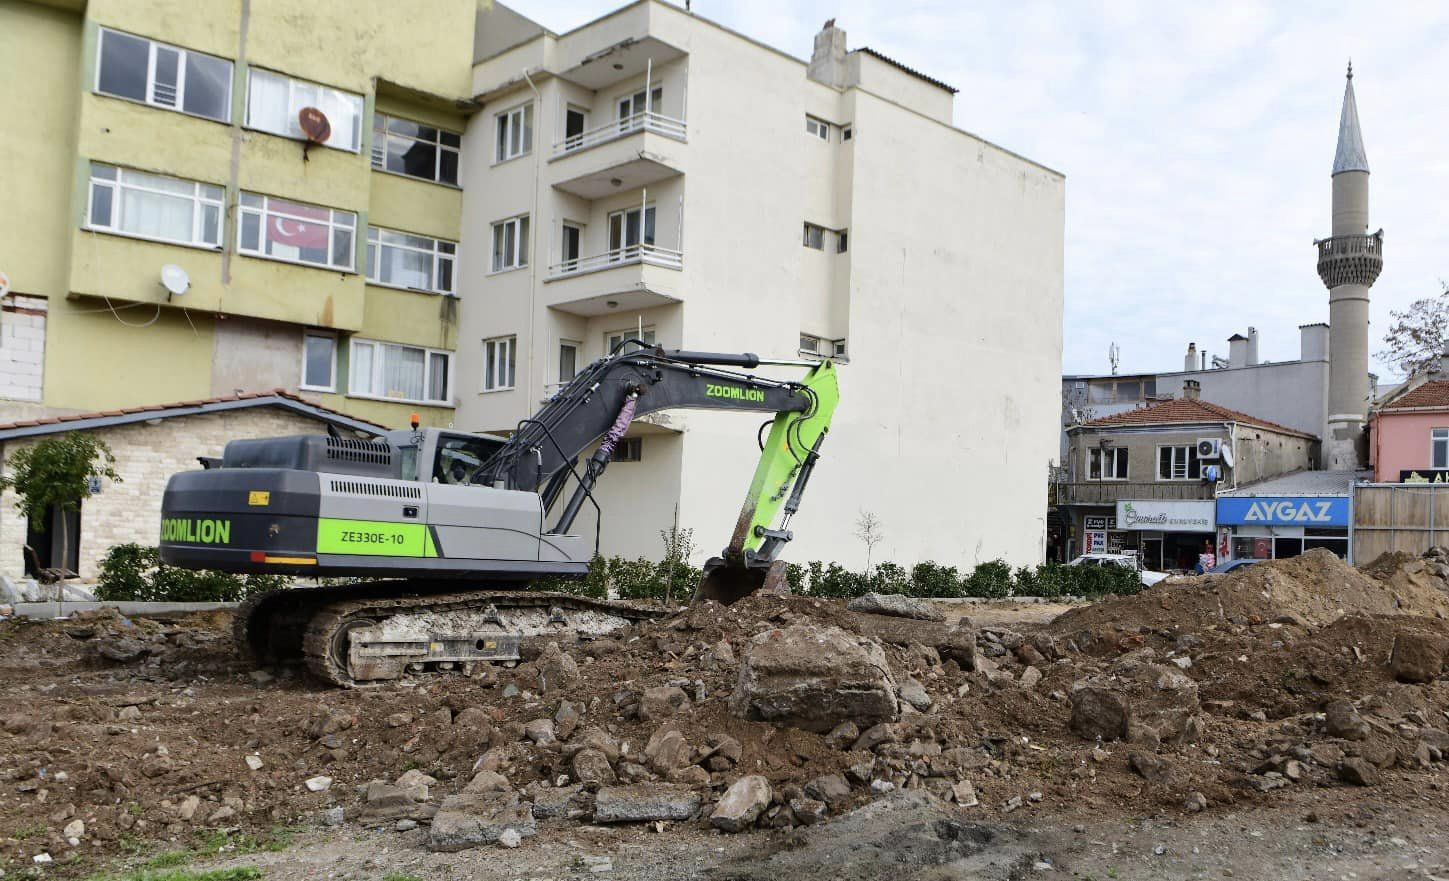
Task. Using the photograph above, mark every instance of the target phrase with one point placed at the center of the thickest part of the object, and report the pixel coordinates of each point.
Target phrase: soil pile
(1195, 694)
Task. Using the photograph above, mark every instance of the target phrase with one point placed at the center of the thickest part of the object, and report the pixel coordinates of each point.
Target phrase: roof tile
(1430, 394)
(1186, 410)
(148, 408)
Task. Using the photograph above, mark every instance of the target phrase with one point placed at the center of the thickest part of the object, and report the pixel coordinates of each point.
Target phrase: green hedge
(135, 572)
(640, 579)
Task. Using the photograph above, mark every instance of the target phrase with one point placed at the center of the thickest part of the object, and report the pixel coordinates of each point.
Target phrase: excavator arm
(601, 402)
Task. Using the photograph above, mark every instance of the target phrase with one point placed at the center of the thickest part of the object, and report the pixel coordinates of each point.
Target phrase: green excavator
(436, 536)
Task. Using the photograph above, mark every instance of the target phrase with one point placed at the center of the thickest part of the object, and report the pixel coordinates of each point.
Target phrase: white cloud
(1196, 140)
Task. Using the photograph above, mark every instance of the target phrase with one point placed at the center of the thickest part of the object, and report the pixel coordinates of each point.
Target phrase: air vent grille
(387, 490)
(348, 449)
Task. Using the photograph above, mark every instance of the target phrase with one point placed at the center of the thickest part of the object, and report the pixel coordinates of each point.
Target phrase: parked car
(1126, 561)
(1230, 565)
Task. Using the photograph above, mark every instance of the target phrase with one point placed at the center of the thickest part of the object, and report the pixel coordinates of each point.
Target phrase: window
(273, 102)
(154, 207)
(1107, 464)
(631, 106)
(820, 347)
(628, 449)
(1178, 463)
(570, 253)
(809, 345)
(615, 338)
(1439, 448)
(319, 361)
(839, 347)
(398, 372)
(815, 237)
(408, 261)
(414, 149)
(846, 132)
(510, 243)
(841, 242)
(499, 363)
(576, 120)
(568, 360)
(817, 127)
(624, 230)
(515, 132)
(292, 231)
(163, 76)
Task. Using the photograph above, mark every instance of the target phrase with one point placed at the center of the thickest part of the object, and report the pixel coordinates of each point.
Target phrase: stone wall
(146, 455)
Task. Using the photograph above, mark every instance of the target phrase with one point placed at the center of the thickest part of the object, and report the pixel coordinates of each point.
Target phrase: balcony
(1350, 259)
(1109, 492)
(629, 153)
(627, 279)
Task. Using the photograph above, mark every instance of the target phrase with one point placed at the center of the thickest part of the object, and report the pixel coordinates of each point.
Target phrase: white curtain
(360, 371)
(402, 372)
(152, 214)
(406, 268)
(268, 104)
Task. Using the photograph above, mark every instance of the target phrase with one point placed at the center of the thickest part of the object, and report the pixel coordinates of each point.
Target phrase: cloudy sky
(1196, 138)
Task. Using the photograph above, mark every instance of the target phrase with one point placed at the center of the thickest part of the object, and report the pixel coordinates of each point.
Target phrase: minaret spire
(1350, 155)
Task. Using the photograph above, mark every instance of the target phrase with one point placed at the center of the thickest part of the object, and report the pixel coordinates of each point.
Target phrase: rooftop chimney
(827, 62)
(1313, 342)
(1237, 350)
(1189, 363)
(1252, 346)
(1191, 390)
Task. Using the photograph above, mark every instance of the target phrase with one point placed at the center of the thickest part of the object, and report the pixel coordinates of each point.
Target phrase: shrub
(991, 579)
(934, 580)
(135, 572)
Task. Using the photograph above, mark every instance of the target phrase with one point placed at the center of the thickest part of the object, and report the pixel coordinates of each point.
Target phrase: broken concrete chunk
(473, 819)
(644, 802)
(662, 701)
(814, 678)
(742, 804)
(896, 605)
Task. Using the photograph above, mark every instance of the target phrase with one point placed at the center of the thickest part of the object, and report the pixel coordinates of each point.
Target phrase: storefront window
(1251, 547)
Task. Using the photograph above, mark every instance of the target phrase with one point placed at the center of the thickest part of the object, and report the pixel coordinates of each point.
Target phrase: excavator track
(373, 632)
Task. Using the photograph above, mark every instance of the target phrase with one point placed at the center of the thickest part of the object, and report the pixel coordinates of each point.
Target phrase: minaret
(1348, 263)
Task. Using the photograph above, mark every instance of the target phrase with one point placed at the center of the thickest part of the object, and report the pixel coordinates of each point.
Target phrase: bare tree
(1419, 335)
(867, 529)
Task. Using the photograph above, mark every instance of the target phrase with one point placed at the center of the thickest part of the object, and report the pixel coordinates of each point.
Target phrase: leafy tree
(1419, 335)
(56, 473)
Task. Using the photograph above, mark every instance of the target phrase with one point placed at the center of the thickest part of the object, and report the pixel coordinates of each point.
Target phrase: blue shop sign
(1283, 511)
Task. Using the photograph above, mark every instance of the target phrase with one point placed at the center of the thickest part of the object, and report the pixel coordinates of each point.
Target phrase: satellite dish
(315, 126)
(1227, 454)
(175, 280)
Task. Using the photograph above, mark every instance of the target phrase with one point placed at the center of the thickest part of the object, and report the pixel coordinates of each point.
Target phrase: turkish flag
(294, 230)
(297, 233)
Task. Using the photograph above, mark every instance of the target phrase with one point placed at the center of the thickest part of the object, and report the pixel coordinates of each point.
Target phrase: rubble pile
(773, 713)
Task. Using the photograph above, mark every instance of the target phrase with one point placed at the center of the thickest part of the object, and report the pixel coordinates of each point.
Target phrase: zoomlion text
(207, 532)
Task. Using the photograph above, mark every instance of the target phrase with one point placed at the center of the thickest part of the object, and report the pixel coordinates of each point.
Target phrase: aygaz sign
(1283, 511)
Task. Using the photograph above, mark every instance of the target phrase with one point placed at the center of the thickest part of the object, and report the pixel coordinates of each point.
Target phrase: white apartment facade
(653, 173)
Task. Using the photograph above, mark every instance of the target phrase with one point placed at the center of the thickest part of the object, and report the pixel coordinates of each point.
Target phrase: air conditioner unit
(1209, 448)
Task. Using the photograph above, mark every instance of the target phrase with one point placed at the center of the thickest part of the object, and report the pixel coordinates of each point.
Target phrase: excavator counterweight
(447, 532)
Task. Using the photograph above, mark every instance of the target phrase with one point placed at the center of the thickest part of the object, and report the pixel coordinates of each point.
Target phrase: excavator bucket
(750, 562)
(727, 583)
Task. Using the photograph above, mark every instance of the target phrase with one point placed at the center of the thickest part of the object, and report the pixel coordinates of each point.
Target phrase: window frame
(642, 333)
(814, 349)
(1118, 453)
(648, 227)
(303, 384)
(567, 263)
(378, 345)
(263, 212)
(292, 82)
(1439, 447)
(182, 52)
(813, 236)
(653, 97)
(500, 344)
(842, 241)
(526, 115)
(631, 447)
(1189, 460)
(381, 134)
(847, 132)
(199, 204)
(573, 142)
(816, 127)
(521, 228)
(373, 255)
(568, 344)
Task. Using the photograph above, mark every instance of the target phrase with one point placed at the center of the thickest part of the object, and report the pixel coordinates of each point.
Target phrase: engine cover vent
(348, 449)
(387, 490)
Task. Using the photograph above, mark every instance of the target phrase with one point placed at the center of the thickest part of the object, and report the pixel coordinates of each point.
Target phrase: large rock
(662, 701)
(644, 802)
(1139, 701)
(895, 605)
(473, 819)
(1417, 656)
(1099, 713)
(591, 768)
(742, 804)
(1341, 719)
(667, 750)
(814, 678)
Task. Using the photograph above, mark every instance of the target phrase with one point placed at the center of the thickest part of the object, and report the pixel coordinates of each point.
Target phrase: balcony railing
(647, 121)
(650, 255)
(1108, 492)
(1352, 259)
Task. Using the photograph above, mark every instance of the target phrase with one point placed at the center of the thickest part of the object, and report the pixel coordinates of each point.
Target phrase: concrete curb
(53, 609)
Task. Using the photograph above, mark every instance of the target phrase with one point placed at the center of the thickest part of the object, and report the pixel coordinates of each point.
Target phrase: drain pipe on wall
(533, 234)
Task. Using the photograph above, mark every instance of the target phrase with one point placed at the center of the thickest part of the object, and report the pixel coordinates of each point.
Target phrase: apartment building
(173, 236)
(655, 176)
